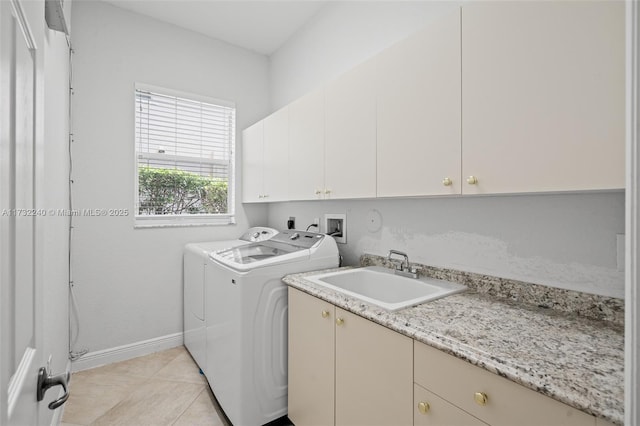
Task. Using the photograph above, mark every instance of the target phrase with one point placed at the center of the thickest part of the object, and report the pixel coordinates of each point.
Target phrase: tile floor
(165, 388)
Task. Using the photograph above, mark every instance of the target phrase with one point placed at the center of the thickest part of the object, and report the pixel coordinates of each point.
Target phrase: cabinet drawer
(438, 411)
(507, 403)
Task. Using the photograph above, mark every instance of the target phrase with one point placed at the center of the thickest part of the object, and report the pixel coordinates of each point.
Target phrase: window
(184, 158)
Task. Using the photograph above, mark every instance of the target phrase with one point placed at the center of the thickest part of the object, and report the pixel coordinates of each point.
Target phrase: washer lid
(284, 247)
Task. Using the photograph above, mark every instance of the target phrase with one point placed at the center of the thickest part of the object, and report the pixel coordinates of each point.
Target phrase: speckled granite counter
(573, 359)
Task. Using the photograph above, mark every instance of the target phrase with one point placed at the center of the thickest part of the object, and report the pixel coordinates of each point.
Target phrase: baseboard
(125, 352)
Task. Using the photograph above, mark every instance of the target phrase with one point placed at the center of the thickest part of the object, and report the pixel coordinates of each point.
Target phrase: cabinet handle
(472, 180)
(339, 321)
(325, 314)
(480, 398)
(423, 407)
(447, 182)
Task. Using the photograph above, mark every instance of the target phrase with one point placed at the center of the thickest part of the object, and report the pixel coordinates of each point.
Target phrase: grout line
(188, 406)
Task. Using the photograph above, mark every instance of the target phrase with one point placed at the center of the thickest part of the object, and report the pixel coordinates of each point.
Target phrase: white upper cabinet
(306, 147)
(276, 156)
(418, 113)
(350, 138)
(543, 103)
(252, 150)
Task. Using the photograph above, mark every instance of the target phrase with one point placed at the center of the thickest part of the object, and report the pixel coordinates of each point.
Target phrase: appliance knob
(295, 236)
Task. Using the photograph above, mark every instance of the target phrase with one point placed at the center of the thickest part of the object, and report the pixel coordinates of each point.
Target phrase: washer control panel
(258, 233)
(298, 238)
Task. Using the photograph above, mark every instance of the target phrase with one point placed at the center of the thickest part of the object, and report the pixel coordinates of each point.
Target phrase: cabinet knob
(327, 191)
(480, 398)
(325, 314)
(318, 192)
(472, 180)
(339, 321)
(423, 407)
(447, 182)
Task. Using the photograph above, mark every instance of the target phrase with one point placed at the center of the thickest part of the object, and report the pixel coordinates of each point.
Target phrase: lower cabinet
(487, 396)
(429, 409)
(311, 360)
(344, 369)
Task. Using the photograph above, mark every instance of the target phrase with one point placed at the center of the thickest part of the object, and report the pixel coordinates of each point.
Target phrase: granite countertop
(570, 358)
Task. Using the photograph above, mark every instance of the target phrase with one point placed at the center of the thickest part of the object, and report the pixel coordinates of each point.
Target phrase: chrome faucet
(403, 268)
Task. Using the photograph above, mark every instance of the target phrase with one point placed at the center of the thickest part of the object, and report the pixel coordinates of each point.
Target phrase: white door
(21, 355)
(543, 96)
(350, 134)
(275, 156)
(252, 159)
(418, 113)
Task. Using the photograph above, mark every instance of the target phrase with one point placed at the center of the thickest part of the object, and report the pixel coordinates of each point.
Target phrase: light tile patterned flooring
(165, 388)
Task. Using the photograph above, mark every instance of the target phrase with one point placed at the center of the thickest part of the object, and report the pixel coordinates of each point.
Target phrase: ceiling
(261, 26)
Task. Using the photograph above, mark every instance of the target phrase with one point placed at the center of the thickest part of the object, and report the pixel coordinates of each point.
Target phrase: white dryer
(194, 264)
(247, 321)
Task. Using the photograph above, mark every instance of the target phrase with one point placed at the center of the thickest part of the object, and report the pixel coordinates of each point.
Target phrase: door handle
(46, 380)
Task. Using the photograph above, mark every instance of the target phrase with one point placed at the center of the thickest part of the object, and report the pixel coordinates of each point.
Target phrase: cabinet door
(374, 373)
(306, 147)
(350, 144)
(543, 104)
(505, 403)
(252, 144)
(276, 156)
(437, 411)
(418, 113)
(311, 360)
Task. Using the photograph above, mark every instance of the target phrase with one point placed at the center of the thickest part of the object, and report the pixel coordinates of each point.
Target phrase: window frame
(184, 220)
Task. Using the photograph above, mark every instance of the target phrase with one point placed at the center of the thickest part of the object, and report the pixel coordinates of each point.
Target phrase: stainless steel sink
(381, 287)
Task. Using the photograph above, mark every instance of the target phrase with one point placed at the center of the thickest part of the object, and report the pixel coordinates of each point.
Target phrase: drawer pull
(447, 181)
(325, 314)
(480, 398)
(472, 180)
(339, 321)
(423, 407)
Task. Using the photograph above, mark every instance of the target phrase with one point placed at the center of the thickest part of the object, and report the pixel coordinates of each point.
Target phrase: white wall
(341, 35)
(566, 241)
(129, 281)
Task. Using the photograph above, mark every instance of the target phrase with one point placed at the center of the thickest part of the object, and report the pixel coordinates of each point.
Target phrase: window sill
(142, 222)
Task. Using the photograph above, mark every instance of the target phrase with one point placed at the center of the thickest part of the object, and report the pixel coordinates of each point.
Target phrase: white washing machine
(194, 264)
(247, 321)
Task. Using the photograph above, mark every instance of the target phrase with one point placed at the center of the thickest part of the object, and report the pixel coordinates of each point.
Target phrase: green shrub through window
(167, 191)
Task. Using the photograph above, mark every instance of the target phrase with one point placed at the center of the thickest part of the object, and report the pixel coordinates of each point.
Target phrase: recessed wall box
(336, 226)
(54, 15)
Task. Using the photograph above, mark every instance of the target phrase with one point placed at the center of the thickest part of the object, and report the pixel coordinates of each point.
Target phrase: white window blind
(184, 157)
